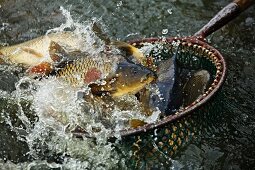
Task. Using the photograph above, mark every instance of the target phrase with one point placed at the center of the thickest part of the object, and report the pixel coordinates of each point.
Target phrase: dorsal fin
(98, 31)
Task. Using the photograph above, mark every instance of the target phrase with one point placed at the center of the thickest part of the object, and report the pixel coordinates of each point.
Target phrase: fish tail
(130, 49)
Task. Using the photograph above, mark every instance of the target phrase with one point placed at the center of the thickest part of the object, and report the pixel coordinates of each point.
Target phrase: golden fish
(120, 79)
(128, 79)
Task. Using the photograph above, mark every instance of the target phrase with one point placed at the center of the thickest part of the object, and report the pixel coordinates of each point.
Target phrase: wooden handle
(225, 15)
(244, 4)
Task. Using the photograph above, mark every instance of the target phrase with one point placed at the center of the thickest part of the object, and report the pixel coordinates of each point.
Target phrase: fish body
(195, 86)
(165, 84)
(86, 70)
(35, 51)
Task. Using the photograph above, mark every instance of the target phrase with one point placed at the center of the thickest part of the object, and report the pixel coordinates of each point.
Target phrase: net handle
(225, 15)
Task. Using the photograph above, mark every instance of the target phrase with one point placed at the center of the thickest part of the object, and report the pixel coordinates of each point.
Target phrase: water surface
(228, 144)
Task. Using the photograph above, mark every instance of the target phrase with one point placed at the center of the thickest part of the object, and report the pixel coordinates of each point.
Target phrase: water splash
(87, 39)
(60, 107)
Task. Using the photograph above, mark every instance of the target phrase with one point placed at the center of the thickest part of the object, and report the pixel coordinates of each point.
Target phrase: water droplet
(164, 31)
(119, 4)
(247, 63)
(170, 11)
(249, 21)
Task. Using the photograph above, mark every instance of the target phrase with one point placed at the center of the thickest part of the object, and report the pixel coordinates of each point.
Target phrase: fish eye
(134, 71)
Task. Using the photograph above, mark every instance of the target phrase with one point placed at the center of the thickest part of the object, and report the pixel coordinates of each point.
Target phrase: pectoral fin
(56, 52)
(134, 123)
(43, 68)
(100, 90)
(144, 98)
(1, 58)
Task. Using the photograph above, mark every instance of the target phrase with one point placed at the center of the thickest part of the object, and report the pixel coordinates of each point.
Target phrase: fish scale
(75, 72)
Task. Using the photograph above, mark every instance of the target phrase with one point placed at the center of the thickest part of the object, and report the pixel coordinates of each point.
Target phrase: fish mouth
(151, 77)
(135, 87)
(147, 79)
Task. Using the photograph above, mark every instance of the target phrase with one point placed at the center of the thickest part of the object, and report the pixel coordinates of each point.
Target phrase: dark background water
(232, 143)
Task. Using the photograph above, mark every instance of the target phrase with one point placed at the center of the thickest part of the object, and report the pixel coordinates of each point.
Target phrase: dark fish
(178, 87)
(195, 86)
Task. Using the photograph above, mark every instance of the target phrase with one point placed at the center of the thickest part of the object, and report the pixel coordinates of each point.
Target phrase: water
(229, 144)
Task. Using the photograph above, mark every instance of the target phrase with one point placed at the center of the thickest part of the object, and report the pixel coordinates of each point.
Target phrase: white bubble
(164, 31)
(119, 4)
(170, 11)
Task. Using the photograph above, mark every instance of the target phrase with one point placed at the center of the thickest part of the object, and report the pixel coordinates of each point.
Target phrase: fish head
(129, 78)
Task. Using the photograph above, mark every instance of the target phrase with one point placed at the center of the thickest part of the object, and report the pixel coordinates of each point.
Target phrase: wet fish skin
(166, 83)
(129, 78)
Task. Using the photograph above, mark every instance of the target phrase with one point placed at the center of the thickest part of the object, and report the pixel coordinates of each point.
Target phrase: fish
(167, 80)
(35, 51)
(84, 70)
(195, 86)
(128, 79)
(118, 78)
